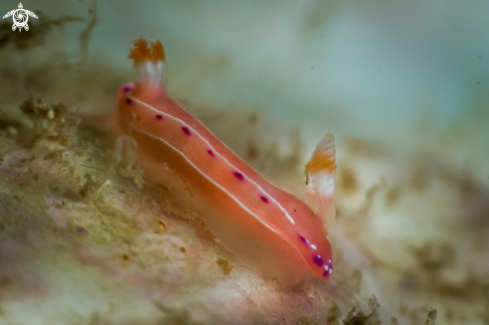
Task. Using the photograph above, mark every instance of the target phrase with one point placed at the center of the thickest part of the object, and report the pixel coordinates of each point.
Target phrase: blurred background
(401, 84)
(385, 65)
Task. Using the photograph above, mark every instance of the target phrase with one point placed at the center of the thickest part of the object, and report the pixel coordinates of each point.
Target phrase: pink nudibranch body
(268, 229)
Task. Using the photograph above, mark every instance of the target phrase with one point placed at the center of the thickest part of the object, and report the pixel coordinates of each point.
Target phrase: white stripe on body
(203, 174)
(221, 156)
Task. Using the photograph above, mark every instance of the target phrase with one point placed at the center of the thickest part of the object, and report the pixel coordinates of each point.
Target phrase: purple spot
(126, 89)
(326, 274)
(318, 260)
(210, 153)
(264, 199)
(238, 175)
(159, 117)
(303, 239)
(186, 130)
(129, 100)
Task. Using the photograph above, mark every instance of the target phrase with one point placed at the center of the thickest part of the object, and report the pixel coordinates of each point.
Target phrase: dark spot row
(185, 130)
(240, 176)
(317, 259)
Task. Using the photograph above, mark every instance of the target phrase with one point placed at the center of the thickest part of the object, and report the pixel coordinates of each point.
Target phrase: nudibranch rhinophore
(268, 229)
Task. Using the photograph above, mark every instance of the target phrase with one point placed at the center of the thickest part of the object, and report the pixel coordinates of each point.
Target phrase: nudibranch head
(149, 61)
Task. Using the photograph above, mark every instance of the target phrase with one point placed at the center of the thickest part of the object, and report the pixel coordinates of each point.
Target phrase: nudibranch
(271, 231)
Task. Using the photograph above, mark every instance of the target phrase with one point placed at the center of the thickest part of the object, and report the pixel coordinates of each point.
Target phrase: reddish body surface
(268, 229)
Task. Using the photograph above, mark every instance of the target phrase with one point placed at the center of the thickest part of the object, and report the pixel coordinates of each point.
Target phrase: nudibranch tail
(149, 62)
(321, 172)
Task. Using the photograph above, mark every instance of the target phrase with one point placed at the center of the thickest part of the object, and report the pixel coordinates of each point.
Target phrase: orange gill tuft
(322, 161)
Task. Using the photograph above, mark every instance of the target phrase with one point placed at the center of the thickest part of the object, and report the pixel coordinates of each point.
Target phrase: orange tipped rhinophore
(266, 228)
(149, 62)
(158, 52)
(140, 52)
